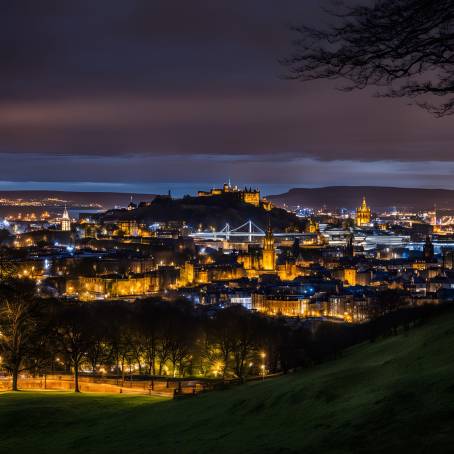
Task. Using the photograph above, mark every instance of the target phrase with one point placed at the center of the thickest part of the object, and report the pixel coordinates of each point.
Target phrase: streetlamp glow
(262, 366)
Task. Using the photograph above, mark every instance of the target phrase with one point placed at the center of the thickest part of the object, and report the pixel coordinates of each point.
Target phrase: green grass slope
(396, 395)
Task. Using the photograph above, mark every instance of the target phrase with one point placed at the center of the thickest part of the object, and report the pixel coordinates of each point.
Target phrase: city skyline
(226, 226)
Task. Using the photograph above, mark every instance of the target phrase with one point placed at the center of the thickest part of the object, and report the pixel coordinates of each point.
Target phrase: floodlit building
(247, 195)
(269, 251)
(363, 214)
(65, 221)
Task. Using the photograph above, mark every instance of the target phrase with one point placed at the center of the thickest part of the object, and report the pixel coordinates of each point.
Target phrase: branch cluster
(404, 47)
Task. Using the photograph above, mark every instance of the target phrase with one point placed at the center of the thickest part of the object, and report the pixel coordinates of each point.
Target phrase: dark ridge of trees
(155, 337)
(403, 47)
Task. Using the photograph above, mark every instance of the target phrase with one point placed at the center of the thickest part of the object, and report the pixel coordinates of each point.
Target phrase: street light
(263, 371)
(262, 367)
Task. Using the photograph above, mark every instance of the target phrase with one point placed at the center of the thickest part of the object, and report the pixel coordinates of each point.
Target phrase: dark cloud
(178, 79)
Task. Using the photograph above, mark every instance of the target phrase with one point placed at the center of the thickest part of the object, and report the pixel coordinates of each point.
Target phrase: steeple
(268, 252)
(363, 214)
(65, 221)
(132, 205)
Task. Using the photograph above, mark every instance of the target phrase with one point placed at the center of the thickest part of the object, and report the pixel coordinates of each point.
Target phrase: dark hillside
(392, 396)
(213, 211)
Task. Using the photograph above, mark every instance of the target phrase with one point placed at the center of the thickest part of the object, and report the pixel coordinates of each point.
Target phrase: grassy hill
(395, 395)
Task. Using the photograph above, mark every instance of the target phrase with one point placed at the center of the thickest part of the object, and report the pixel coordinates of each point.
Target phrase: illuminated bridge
(248, 230)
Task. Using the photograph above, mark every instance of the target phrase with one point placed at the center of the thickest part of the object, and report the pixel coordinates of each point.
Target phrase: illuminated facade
(289, 306)
(251, 196)
(129, 227)
(269, 251)
(247, 195)
(350, 276)
(65, 221)
(363, 214)
(313, 226)
(118, 286)
(88, 288)
(191, 274)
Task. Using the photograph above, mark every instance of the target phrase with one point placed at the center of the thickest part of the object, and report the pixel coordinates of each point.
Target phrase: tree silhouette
(74, 335)
(19, 325)
(404, 47)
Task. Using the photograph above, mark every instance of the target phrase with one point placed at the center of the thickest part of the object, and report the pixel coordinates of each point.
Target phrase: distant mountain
(378, 198)
(105, 199)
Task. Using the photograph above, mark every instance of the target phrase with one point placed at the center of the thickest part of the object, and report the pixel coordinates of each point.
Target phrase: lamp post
(262, 367)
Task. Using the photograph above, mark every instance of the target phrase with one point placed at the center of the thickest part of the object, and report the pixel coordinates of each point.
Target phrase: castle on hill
(247, 195)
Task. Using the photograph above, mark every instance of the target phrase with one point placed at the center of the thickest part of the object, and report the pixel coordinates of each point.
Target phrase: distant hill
(105, 199)
(213, 211)
(378, 198)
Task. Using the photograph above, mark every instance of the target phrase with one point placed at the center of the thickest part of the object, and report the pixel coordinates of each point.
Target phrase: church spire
(363, 214)
(269, 251)
(65, 221)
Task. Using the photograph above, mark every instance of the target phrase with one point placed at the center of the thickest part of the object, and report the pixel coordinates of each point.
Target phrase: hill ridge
(378, 197)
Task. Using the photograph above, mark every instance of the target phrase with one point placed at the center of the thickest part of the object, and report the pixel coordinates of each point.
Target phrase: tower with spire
(269, 250)
(363, 214)
(65, 221)
(132, 205)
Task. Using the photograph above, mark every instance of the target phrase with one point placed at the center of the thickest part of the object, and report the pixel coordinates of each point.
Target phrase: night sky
(142, 95)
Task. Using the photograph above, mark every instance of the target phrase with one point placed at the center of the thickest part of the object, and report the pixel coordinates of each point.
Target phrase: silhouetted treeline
(155, 337)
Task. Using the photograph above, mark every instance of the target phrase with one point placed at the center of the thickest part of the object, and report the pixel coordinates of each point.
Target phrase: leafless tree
(403, 47)
(19, 326)
(74, 336)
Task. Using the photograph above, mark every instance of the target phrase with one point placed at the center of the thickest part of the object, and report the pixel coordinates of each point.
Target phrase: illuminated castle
(268, 252)
(363, 214)
(247, 195)
(65, 221)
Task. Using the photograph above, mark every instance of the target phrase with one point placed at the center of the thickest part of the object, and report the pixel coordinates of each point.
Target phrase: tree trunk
(15, 376)
(122, 371)
(226, 360)
(76, 377)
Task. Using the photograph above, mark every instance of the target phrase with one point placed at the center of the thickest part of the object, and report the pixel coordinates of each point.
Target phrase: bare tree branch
(404, 47)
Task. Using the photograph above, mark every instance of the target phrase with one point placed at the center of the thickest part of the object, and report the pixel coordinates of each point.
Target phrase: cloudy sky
(141, 95)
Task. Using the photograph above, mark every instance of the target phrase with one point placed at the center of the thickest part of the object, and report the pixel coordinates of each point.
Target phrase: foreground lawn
(396, 395)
